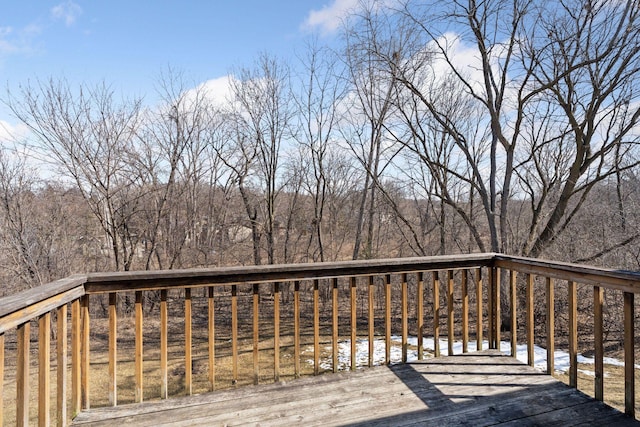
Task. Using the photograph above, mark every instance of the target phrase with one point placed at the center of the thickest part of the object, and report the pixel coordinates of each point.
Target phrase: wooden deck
(483, 388)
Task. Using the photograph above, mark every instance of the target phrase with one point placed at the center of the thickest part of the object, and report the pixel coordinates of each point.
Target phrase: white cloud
(67, 11)
(330, 17)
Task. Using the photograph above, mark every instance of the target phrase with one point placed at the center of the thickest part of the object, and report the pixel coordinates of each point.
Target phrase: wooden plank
(354, 321)
(404, 307)
(44, 370)
(465, 311)
(598, 299)
(188, 344)
(164, 345)
(276, 332)
(387, 319)
(372, 319)
(22, 375)
(436, 314)
(234, 334)
(256, 333)
(334, 323)
(1, 379)
(550, 325)
(113, 349)
(139, 346)
(479, 310)
(530, 325)
(490, 308)
(573, 333)
(61, 371)
(629, 356)
(296, 328)
(420, 313)
(497, 306)
(76, 344)
(316, 327)
(85, 357)
(513, 312)
(211, 337)
(450, 318)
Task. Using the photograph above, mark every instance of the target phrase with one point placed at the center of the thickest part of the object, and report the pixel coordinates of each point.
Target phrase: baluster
(479, 314)
(629, 356)
(234, 333)
(296, 328)
(334, 331)
(550, 325)
(76, 404)
(44, 368)
(188, 364)
(598, 298)
(387, 319)
(256, 333)
(212, 339)
(436, 314)
(450, 319)
(22, 380)
(113, 351)
(371, 320)
(420, 314)
(276, 331)
(529, 307)
(2, 379)
(164, 345)
(84, 368)
(513, 275)
(316, 327)
(573, 334)
(465, 312)
(405, 317)
(498, 316)
(354, 322)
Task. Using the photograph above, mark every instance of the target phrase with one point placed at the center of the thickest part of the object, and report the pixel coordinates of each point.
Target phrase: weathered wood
(76, 344)
(629, 356)
(450, 318)
(316, 327)
(296, 328)
(490, 308)
(598, 383)
(188, 345)
(465, 311)
(497, 322)
(436, 314)
(211, 337)
(276, 331)
(513, 312)
(334, 324)
(164, 345)
(61, 371)
(1, 379)
(113, 349)
(85, 356)
(387, 319)
(234, 334)
(139, 348)
(404, 308)
(479, 314)
(550, 325)
(372, 319)
(420, 313)
(22, 375)
(354, 320)
(530, 325)
(44, 370)
(573, 333)
(256, 333)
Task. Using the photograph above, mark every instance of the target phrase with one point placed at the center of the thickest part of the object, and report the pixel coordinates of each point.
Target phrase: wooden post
(465, 312)
(76, 401)
(598, 298)
(550, 326)
(296, 328)
(420, 314)
(450, 319)
(479, 314)
(498, 316)
(372, 319)
(530, 327)
(22, 375)
(44, 370)
(188, 359)
(490, 307)
(334, 326)
(84, 365)
(234, 333)
(164, 345)
(212, 338)
(629, 356)
(276, 331)
(387, 319)
(113, 349)
(573, 334)
(436, 314)
(354, 322)
(256, 333)
(139, 394)
(61, 372)
(513, 312)
(404, 305)
(316, 327)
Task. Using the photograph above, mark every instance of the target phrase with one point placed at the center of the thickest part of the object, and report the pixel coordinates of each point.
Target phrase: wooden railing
(328, 299)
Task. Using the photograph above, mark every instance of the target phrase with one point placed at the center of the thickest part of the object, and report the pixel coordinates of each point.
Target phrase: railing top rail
(147, 280)
(623, 280)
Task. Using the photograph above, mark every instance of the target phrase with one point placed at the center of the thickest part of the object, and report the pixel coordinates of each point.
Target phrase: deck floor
(478, 389)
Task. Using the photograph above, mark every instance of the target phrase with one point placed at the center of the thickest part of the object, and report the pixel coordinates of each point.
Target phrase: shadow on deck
(484, 388)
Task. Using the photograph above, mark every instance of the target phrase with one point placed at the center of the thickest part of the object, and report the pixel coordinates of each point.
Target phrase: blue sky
(128, 43)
